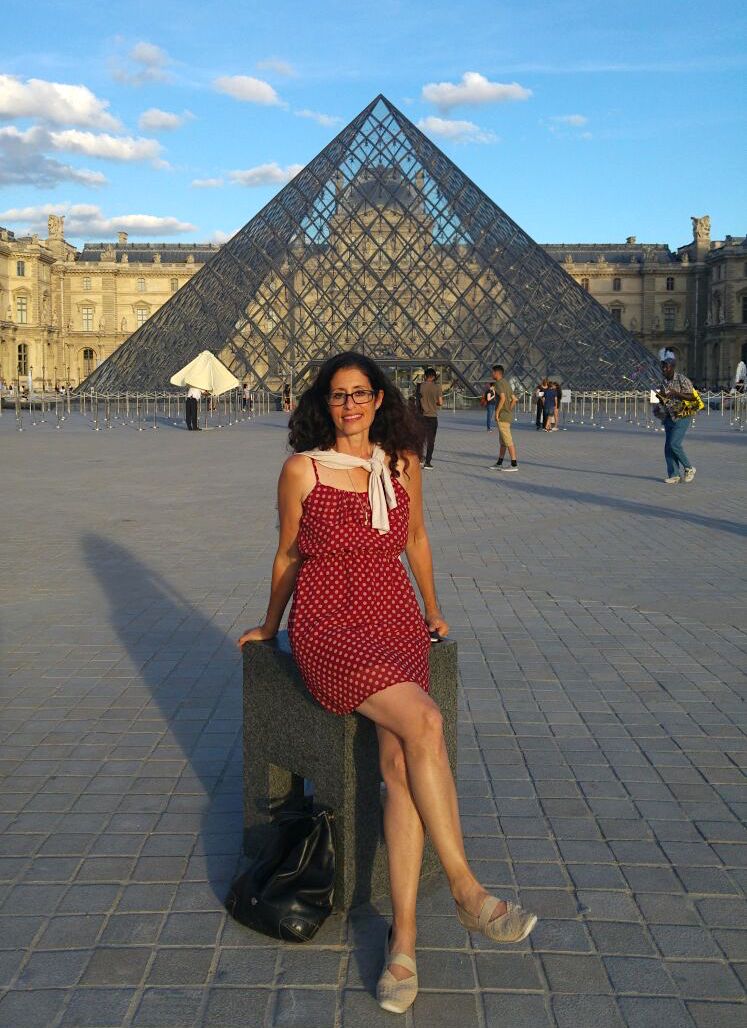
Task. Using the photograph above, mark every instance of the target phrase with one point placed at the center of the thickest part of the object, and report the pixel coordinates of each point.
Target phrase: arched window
(22, 310)
(585, 284)
(670, 283)
(21, 269)
(141, 285)
(670, 312)
(88, 360)
(617, 313)
(616, 285)
(86, 317)
(23, 359)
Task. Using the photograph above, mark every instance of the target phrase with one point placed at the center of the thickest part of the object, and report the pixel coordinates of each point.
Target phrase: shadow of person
(191, 670)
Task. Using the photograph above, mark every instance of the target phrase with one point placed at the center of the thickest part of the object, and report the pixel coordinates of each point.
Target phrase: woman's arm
(292, 490)
(418, 548)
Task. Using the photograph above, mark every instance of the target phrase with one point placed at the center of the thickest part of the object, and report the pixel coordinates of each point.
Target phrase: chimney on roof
(122, 238)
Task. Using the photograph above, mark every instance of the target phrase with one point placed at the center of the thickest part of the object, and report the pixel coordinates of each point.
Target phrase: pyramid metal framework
(381, 244)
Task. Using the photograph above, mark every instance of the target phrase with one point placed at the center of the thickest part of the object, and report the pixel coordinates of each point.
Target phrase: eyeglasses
(339, 397)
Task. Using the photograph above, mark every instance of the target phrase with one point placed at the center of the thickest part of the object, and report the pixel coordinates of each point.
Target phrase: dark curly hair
(395, 427)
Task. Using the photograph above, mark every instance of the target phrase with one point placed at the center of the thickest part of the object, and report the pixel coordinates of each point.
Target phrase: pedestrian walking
(504, 415)
(675, 390)
(491, 400)
(245, 394)
(193, 407)
(431, 398)
(286, 396)
(353, 487)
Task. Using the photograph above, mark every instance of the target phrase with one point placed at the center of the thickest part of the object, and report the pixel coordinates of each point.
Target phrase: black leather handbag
(288, 891)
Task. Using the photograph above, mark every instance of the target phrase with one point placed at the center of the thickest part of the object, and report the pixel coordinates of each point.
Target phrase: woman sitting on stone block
(350, 503)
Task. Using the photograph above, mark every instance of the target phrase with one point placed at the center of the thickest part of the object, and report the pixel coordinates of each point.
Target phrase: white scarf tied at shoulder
(381, 492)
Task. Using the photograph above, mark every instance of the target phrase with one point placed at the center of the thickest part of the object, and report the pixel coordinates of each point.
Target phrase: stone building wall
(70, 309)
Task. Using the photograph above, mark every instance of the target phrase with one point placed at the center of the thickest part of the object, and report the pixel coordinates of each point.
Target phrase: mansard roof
(613, 253)
(143, 253)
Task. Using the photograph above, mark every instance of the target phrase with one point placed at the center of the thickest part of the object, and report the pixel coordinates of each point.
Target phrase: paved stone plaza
(601, 618)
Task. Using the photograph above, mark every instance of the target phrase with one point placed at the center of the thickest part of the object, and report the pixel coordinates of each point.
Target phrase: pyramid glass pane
(381, 244)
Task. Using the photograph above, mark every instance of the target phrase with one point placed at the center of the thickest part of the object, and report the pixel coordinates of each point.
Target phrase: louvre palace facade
(377, 244)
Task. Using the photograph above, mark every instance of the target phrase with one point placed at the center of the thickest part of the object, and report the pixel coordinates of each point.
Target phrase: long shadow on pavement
(191, 669)
(629, 506)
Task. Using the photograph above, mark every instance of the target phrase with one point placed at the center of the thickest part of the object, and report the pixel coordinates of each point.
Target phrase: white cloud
(147, 63)
(265, 174)
(54, 102)
(89, 220)
(219, 236)
(456, 131)
(328, 120)
(284, 68)
(156, 120)
(110, 148)
(574, 120)
(206, 183)
(473, 89)
(24, 163)
(248, 89)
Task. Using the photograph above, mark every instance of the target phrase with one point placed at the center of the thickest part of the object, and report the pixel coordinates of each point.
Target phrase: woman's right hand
(259, 634)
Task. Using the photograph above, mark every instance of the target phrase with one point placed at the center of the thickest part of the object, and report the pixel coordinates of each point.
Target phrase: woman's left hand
(437, 623)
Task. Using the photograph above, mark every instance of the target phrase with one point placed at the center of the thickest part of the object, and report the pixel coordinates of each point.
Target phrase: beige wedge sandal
(393, 995)
(513, 926)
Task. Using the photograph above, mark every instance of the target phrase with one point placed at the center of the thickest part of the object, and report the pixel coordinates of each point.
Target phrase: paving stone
(507, 971)
(121, 965)
(38, 1009)
(305, 1008)
(97, 1008)
(652, 1012)
(639, 975)
(579, 1011)
(512, 1008)
(703, 979)
(247, 967)
(168, 1008)
(717, 1015)
(10, 961)
(236, 1008)
(575, 973)
(180, 966)
(53, 968)
(444, 1008)
(75, 930)
(685, 941)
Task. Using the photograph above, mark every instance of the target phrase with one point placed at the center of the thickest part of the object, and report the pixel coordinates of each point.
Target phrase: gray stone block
(288, 737)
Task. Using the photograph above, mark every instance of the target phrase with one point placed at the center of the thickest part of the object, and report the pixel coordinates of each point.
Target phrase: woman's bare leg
(403, 831)
(411, 714)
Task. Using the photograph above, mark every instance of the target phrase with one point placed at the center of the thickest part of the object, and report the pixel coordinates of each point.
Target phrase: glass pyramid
(381, 244)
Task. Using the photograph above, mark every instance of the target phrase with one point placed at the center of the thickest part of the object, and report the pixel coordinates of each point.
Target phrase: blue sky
(584, 121)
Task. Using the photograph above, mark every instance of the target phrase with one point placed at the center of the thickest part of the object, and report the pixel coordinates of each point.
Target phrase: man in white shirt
(740, 379)
(194, 396)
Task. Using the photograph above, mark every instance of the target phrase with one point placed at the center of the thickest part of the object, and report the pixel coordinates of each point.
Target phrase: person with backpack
(674, 394)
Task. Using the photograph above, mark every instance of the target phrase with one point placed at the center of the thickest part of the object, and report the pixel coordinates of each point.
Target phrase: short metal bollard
(289, 740)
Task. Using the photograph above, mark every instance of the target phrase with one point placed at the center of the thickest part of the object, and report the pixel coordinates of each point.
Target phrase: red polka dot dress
(355, 626)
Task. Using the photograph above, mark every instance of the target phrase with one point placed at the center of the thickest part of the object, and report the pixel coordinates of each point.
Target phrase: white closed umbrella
(208, 373)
